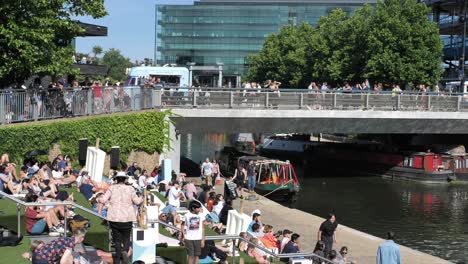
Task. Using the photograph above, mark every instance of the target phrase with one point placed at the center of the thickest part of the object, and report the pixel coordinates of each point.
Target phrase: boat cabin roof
(262, 160)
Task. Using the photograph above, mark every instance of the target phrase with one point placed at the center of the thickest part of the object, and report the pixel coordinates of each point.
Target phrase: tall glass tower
(225, 32)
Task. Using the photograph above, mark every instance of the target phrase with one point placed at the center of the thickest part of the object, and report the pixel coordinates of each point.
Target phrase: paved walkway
(362, 247)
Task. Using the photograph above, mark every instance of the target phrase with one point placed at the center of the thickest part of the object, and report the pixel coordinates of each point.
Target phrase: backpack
(79, 222)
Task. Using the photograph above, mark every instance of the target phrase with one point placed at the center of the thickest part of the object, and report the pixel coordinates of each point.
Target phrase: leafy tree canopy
(394, 42)
(35, 36)
(116, 63)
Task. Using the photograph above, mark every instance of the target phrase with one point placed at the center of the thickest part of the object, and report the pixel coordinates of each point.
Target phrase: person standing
(327, 233)
(216, 173)
(121, 213)
(206, 171)
(251, 176)
(193, 232)
(388, 252)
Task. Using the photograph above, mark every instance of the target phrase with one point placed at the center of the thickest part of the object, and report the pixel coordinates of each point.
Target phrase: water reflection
(428, 217)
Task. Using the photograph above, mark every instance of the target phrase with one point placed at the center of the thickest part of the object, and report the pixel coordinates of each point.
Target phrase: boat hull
(395, 172)
(277, 191)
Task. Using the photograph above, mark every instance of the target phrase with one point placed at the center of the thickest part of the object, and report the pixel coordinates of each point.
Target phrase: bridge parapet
(31, 105)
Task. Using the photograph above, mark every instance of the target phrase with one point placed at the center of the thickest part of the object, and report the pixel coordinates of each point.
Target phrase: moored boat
(374, 161)
(274, 178)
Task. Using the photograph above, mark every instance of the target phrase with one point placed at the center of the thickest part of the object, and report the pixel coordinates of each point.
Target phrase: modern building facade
(225, 32)
(450, 15)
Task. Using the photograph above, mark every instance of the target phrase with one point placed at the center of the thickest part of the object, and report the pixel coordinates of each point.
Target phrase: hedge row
(145, 131)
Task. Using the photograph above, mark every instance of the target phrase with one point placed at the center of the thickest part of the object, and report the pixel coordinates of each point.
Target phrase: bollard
(231, 99)
(267, 99)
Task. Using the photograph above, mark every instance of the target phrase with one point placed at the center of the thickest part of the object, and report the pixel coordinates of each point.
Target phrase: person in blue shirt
(255, 220)
(389, 252)
(291, 247)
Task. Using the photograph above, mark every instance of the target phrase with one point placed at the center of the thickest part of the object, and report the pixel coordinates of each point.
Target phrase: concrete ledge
(325, 121)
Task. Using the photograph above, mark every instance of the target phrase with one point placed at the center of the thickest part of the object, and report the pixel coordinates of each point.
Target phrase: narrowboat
(372, 161)
(275, 179)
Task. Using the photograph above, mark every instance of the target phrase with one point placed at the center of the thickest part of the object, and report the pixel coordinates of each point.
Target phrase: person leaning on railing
(121, 214)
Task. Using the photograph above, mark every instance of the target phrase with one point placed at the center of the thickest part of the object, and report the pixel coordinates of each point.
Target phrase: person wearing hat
(120, 214)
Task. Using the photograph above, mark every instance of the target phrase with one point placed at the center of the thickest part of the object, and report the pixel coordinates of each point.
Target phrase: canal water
(432, 218)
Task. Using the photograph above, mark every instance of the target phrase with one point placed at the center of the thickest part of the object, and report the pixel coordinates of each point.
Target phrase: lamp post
(220, 74)
(190, 80)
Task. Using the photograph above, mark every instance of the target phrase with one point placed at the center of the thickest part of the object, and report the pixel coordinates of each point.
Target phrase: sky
(130, 25)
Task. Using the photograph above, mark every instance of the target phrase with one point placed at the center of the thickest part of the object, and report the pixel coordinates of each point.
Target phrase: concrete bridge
(231, 110)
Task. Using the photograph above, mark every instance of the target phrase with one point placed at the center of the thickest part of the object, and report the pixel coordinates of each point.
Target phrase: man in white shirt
(174, 195)
(207, 171)
(193, 233)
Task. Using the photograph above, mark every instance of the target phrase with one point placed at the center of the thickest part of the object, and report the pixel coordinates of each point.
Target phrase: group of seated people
(37, 183)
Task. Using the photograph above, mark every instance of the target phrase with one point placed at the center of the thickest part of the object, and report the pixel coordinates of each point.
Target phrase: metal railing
(271, 253)
(233, 238)
(28, 105)
(20, 203)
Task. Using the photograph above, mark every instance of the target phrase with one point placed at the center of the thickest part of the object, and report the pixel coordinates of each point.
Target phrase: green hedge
(144, 131)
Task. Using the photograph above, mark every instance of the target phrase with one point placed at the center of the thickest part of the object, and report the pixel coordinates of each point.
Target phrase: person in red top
(37, 219)
(58, 250)
(211, 200)
(268, 239)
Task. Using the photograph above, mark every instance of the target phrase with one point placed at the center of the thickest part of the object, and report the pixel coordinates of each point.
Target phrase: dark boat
(374, 160)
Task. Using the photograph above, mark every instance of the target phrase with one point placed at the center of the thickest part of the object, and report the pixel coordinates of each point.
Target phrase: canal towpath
(362, 247)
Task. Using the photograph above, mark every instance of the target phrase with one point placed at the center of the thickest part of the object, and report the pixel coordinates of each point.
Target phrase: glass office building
(217, 32)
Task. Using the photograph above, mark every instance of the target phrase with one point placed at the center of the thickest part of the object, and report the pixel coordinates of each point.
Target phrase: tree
(116, 63)
(396, 44)
(97, 50)
(283, 57)
(35, 36)
(404, 46)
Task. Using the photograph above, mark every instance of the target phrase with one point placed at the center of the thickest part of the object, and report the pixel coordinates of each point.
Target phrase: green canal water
(432, 218)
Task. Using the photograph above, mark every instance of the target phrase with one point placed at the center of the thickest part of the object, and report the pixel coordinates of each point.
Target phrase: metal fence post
(194, 99)
(112, 103)
(18, 209)
(301, 100)
(334, 101)
(459, 101)
(267, 99)
(366, 103)
(233, 251)
(231, 99)
(398, 102)
(90, 102)
(2, 109)
(157, 98)
(429, 103)
(65, 220)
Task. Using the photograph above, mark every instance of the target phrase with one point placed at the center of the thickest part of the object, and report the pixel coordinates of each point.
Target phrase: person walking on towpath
(389, 252)
(327, 233)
